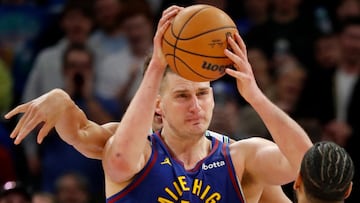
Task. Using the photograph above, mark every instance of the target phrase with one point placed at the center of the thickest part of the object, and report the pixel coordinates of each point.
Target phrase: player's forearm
(130, 138)
(75, 129)
(292, 140)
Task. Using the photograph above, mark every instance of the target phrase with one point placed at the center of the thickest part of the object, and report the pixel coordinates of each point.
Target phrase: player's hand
(45, 110)
(243, 74)
(164, 23)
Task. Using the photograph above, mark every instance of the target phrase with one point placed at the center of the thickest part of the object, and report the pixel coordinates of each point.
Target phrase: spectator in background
(78, 72)
(21, 22)
(46, 74)
(288, 85)
(346, 9)
(72, 188)
(6, 90)
(333, 99)
(76, 21)
(42, 197)
(14, 192)
(108, 36)
(7, 156)
(227, 101)
(288, 31)
(256, 12)
(327, 52)
(121, 72)
(262, 69)
(78, 77)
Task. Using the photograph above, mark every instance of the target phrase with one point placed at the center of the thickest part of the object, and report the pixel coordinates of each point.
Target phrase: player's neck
(187, 150)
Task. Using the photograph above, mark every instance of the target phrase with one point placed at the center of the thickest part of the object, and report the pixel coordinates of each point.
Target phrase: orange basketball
(194, 43)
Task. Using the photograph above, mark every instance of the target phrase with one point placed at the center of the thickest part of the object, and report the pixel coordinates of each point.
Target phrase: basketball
(194, 43)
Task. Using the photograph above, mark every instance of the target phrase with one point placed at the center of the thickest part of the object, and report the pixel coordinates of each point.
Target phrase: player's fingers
(19, 126)
(19, 109)
(241, 44)
(235, 74)
(167, 17)
(29, 124)
(238, 62)
(171, 8)
(235, 47)
(163, 28)
(44, 131)
(15, 131)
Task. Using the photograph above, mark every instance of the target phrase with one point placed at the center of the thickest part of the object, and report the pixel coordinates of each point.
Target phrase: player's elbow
(119, 167)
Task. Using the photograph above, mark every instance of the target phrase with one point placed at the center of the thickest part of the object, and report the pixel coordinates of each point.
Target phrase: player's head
(326, 174)
(175, 100)
(185, 105)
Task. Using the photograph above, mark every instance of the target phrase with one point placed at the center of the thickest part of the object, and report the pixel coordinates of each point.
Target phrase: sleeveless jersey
(165, 180)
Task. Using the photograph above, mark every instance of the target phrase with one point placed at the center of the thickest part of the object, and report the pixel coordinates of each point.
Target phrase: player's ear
(297, 182)
(348, 191)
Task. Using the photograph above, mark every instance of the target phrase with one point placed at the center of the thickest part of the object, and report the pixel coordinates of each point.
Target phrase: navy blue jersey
(164, 179)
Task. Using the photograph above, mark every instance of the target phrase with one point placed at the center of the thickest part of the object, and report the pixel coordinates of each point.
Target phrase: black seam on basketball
(173, 56)
(189, 67)
(212, 30)
(193, 53)
(182, 28)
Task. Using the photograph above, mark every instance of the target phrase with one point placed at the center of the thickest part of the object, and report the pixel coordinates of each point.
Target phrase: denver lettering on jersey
(197, 189)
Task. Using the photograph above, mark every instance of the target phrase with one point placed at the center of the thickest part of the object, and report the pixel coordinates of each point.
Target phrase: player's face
(186, 106)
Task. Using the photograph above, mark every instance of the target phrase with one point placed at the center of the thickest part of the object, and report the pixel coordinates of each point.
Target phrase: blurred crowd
(305, 57)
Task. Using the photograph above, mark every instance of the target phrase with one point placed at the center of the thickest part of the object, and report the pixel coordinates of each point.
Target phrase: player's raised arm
(291, 139)
(128, 150)
(56, 109)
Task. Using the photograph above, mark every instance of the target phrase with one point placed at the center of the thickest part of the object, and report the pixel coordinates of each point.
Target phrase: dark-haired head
(82, 6)
(77, 47)
(326, 173)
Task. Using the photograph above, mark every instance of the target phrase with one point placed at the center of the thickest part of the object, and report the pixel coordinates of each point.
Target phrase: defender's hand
(45, 110)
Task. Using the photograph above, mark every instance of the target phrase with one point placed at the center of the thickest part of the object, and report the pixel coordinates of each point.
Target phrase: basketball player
(326, 174)
(179, 164)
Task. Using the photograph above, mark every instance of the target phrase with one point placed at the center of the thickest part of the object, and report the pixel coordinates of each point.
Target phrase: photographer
(78, 75)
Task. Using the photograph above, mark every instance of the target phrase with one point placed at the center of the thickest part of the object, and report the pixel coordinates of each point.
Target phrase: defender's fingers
(19, 126)
(29, 125)
(19, 109)
(44, 131)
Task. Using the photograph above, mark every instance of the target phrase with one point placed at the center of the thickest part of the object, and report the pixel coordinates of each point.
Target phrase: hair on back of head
(327, 171)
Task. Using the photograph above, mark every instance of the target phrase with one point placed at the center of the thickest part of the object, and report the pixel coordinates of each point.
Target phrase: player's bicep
(266, 163)
(118, 171)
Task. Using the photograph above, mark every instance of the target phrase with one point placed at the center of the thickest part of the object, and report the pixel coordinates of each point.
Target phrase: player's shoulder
(251, 144)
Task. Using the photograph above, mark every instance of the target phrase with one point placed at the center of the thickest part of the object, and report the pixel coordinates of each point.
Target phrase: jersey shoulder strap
(222, 138)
